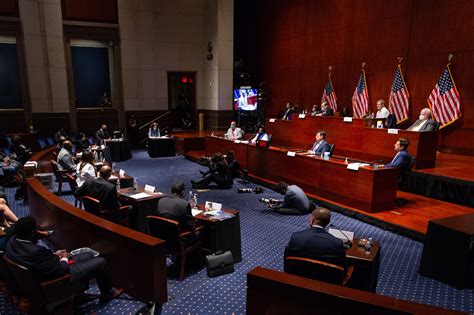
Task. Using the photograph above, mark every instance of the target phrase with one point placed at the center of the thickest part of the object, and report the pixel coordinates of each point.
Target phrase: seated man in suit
(261, 135)
(288, 111)
(219, 172)
(99, 188)
(424, 122)
(174, 207)
(382, 111)
(320, 145)
(65, 159)
(295, 201)
(325, 110)
(234, 132)
(402, 159)
(46, 265)
(316, 242)
(102, 134)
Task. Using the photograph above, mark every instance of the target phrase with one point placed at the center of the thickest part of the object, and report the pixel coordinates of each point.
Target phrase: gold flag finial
(330, 69)
(363, 65)
(450, 57)
(400, 60)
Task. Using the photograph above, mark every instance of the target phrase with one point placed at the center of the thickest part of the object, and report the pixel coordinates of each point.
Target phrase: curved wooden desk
(136, 261)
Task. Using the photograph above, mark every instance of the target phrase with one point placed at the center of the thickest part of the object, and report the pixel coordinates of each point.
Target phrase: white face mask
(422, 117)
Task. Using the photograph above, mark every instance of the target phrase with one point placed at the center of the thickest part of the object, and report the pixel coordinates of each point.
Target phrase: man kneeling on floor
(24, 250)
(295, 201)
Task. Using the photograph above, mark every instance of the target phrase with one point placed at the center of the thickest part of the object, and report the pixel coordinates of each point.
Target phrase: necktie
(395, 157)
(233, 134)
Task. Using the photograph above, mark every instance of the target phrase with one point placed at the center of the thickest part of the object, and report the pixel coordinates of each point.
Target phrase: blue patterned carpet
(264, 237)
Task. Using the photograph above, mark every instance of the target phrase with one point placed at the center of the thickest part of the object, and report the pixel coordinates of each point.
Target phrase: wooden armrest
(348, 275)
(188, 233)
(64, 278)
(90, 198)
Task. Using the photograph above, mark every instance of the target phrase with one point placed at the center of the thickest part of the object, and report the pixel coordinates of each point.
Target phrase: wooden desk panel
(274, 292)
(216, 144)
(353, 139)
(368, 189)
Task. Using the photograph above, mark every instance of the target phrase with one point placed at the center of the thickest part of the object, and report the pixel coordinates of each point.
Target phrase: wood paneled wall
(297, 39)
(104, 11)
(9, 8)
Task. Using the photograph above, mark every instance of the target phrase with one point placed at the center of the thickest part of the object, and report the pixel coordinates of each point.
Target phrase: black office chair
(331, 149)
(390, 121)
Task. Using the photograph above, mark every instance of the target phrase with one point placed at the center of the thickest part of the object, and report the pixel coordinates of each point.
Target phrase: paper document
(140, 196)
(213, 206)
(195, 212)
(348, 119)
(272, 120)
(121, 173)
(340, 234)
(149, 189)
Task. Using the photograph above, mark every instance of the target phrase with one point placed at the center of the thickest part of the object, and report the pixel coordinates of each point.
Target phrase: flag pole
(330, 68)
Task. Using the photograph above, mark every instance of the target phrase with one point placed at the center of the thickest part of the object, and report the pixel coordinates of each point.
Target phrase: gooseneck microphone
(347, 244)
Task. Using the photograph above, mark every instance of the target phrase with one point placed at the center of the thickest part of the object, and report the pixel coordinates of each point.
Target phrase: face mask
(422, 117)
(232, 126)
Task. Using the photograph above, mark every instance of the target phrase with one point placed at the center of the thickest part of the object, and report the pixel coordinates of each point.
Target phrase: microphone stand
(347, 244)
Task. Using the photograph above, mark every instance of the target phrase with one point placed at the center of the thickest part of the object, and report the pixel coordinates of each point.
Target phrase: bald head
(105, 172)
(321, 216)
(67, 145)
(426, 113)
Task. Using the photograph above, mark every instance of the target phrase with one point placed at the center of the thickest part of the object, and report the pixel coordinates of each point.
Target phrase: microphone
(347, 244)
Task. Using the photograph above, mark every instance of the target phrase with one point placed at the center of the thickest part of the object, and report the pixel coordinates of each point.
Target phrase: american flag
(360, 99)
(398, 99)
(444, 100)
(330, 96)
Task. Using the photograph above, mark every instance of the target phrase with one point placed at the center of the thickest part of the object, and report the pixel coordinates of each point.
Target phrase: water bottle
(135, 184)
(191, 199)
(195, 200)
(244, 190)
(117, 184)
(368, 246)
(113, 167)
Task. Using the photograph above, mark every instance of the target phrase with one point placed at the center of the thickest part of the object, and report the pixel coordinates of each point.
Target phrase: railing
(147, 125)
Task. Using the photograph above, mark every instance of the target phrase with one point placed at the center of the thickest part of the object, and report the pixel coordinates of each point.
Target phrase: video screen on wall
(245, 99)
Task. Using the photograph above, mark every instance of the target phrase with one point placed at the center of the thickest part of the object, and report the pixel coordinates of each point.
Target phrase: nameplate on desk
(291, 153)
(353, 166)
(347, 119)
(301, 116)
(195, 211)
(272, 120)
(121, 173)
(392, 131)
(31, 164)
(213, 206)
(149, 189)
(237, 141)
(244, 141)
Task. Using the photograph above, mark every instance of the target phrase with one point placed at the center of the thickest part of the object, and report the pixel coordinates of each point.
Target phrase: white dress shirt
(382, 113)
(88, 171)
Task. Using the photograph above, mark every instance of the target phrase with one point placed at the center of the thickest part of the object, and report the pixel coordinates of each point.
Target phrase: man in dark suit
(424, 122)
(320, 145)
(316, 242)
(325, 110)
(402, 159)
(46, 265)
(102, 134)
(99, 188)
(174, 207)
(288, 111)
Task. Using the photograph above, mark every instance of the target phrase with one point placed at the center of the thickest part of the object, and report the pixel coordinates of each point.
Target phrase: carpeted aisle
(264, 237)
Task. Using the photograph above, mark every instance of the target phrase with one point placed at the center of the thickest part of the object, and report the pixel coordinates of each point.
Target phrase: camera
(244, 190)
(269, 200)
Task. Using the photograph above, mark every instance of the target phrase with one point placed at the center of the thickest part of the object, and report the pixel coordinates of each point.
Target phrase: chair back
(315, 269)
(331, 149)
(390, 121)
(107, 155)
(412, 163)
(53, 296)
(91, 205)
(167, 230)
(72, 181)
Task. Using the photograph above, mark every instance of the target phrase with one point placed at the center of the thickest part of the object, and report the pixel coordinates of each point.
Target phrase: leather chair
(60, 176)
(119, 216)
(318, 270)
(73, 184)
(331, 149)
(46, 297)
(107, 155)
(170, 231)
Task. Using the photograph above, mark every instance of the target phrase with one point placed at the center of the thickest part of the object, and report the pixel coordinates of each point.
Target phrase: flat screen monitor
(245, 99)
